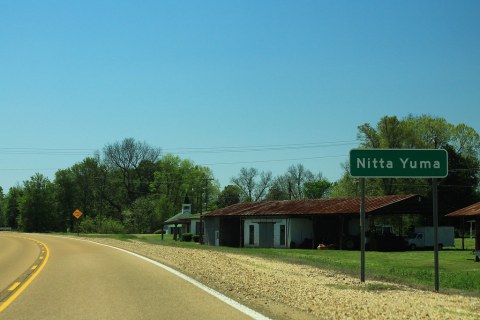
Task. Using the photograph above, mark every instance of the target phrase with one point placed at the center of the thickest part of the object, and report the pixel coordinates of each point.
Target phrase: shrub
(101, 225)
(187, 237)
(108, 225)
(196, 238)
(87, 225)
(159, 231)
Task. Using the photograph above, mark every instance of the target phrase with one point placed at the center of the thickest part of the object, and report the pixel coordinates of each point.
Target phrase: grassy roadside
(458, 272)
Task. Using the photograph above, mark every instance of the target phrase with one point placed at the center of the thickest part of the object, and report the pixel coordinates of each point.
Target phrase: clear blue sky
(208, 74)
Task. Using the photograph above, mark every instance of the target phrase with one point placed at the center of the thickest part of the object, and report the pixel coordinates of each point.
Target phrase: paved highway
(75, 279)
(15, 256)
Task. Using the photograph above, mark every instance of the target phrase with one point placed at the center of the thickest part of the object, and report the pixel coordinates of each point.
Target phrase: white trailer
(423, 237)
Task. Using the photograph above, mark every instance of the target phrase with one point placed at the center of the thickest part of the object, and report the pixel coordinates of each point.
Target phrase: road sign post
(77, 214)
(362, 232)
(435, 233)
(399, 163)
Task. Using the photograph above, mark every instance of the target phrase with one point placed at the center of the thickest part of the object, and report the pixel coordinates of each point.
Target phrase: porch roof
(470, 211)
(409, 203)
(179, 218)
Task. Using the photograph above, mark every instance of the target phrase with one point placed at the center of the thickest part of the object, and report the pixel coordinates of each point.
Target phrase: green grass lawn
(458, 271)
(469, 243)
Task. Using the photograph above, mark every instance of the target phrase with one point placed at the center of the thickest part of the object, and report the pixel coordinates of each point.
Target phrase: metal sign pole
(362, 231)
(399, 163)
(435, 231)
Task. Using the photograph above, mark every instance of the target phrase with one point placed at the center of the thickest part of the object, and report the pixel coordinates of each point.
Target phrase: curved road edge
(18, 286)
(240, 307)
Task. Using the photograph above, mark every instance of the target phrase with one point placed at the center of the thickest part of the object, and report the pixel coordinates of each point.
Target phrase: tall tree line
(127, 187)
(298, 183)
(458, 189)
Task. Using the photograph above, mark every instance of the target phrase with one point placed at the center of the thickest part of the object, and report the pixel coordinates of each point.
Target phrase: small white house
(183, 222)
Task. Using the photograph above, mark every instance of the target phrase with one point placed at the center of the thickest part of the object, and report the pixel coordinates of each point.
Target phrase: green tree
(428, 132)
(90, 178)
(146, 174)
(11, 207)
(280, 189)
(65, 196)
(298, 183)
(125, 157)
(87, 186)
(296, 177)
(421, 132)
(347, 186)
(316, 189)
(174, 177)
(466, 141)
(459, 188)
(229, 196)
(389, 133)
(142, 217)
(3, 218)
(37, 205)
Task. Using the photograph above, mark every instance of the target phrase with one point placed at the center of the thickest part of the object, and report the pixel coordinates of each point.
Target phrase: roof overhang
(395, 204)
(470, 211)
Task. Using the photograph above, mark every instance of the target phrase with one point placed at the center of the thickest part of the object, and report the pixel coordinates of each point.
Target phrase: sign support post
(435, 232)
(399, 163)
(77, 214)
(362, 232)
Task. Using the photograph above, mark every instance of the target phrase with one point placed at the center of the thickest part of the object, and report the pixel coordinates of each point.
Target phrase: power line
(241, 162)
(209, 164)
(198, 150)
(29, 169)
(259, 148)
(45, 151)
(187, 150)
(267, 161)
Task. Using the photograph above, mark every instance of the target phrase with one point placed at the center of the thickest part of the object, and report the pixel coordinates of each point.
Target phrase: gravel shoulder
(289, 291)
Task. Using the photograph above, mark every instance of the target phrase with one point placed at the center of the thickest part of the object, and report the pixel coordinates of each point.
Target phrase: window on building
(282, 234)
(251, 235)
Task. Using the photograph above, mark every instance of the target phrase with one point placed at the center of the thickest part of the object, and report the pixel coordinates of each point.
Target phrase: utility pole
(206, 208)
(206, 192)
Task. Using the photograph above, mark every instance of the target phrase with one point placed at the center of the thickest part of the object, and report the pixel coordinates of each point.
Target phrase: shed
(305, 223)
(473, 212)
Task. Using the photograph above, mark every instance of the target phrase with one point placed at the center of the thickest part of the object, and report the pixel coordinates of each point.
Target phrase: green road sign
(397, 163)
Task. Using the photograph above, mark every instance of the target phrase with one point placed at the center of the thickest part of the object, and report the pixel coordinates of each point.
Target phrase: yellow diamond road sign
(77, 213)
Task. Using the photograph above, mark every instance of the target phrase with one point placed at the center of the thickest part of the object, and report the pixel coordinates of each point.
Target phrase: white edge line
(240, 307)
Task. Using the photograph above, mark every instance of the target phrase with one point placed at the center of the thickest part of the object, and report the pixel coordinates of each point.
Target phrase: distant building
(471, 212)
(303, 223)
(184, 221)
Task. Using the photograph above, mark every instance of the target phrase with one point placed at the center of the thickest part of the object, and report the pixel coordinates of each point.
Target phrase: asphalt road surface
(61, 278)
(15, 257)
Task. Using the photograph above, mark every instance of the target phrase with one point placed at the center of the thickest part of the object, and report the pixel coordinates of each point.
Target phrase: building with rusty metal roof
(304, 223)
(472, 211)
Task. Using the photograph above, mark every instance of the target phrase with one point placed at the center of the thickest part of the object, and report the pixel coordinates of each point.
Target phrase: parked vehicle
(423, 238)
(383, 238)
